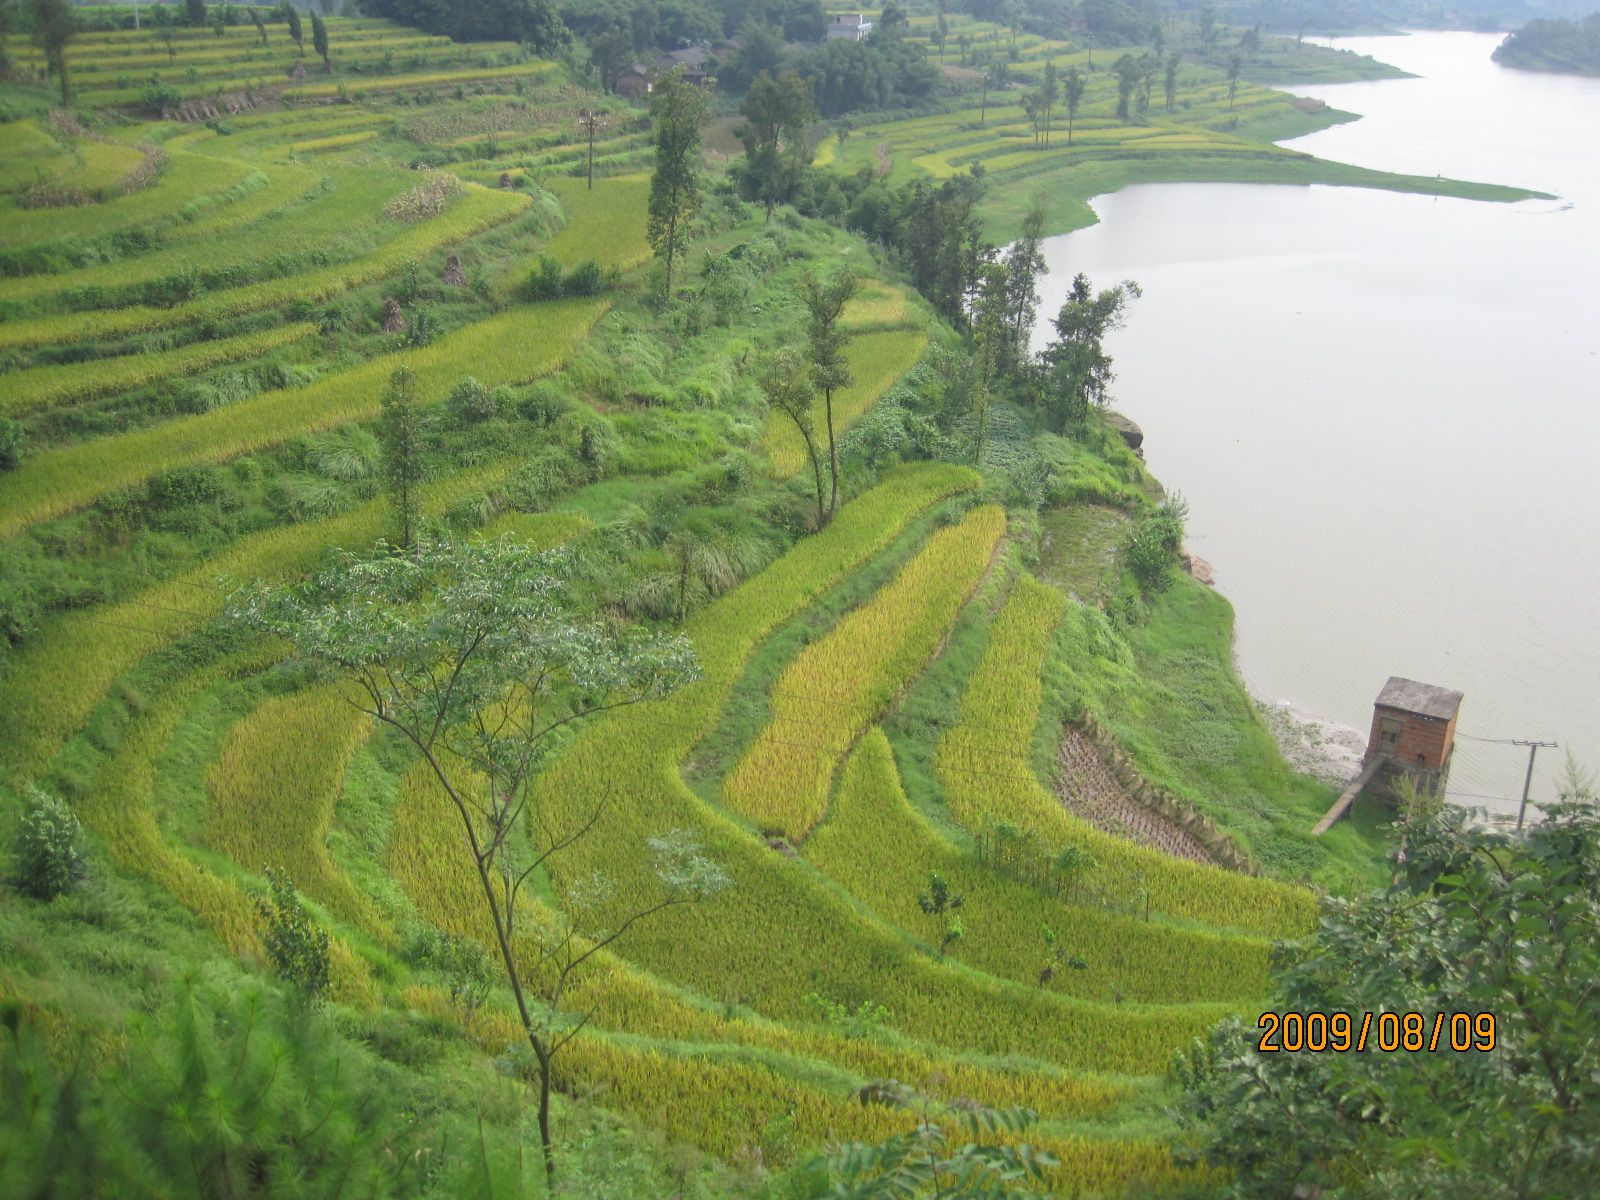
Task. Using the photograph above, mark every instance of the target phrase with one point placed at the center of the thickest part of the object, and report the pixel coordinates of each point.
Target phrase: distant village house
(853, 26)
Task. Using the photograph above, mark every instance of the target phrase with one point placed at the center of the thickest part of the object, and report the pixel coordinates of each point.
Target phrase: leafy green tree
(1024, 263)
(943, 905)
(55, 24)
(319, 41)
(1235, 64)
(49, 848)
(778, 113)
(787, 385)
(296, 944)
(258, 21)
(400, 437)
(474, 653)
(611, 55)
(1128, 72)
(1171, 82)
(1502, 929)
(1057, 955)
(195, 12)
(218, 22)
(826, 337)
(679, 110)
(1078, 368)
(1074, 89)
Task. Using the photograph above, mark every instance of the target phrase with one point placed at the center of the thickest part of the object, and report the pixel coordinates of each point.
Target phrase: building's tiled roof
(1424, 699)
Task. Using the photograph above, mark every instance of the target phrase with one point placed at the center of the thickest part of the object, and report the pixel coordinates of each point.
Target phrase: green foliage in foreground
(1475, 923)
(239, 1097)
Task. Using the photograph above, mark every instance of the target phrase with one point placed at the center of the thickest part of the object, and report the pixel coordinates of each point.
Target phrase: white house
(854, 26)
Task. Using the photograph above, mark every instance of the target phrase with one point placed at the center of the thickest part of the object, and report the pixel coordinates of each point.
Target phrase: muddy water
(1383, 409)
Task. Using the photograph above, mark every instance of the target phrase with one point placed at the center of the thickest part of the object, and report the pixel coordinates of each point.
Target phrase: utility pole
(1527, 783)
(589, 121)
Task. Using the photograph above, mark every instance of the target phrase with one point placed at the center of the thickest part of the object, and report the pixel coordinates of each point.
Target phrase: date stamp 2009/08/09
(1406, 1032)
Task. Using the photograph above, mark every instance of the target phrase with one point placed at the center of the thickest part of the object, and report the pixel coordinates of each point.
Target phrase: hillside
(212, 268)
(1572, 47)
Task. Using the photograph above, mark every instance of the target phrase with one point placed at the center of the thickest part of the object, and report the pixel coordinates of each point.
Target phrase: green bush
(49, 853)
(10, 444)
(470, 402)
(297, 945)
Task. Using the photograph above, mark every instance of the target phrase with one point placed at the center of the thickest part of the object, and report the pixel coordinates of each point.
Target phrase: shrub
(545, 282)
(470, 402)
(10, 444)
(297, 945)
(50, 858)
(585, 279)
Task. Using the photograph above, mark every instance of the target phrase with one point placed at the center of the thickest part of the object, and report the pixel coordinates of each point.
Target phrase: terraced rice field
(196, 371)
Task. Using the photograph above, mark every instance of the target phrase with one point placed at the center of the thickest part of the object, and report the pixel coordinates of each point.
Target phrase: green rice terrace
(213, 266)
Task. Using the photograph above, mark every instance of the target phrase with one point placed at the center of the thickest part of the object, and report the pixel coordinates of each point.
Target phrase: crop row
(427, 855)
(812, 939)
(841, 684)
(31, 390)
(50, 690)
(353, 84)
(274, 786)
(513, 347)
(986, 785)
(479, 209)
(187, 176)
(350, 201)
(337, 141)
(883, 851)
(120, 807)
(257, 62)
(877, 361)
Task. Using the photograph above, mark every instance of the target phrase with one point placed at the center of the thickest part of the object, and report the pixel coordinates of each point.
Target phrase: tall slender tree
(55, 24)
(679, 110)
(788, 388)
(1074, 89)
(258, 21)
(400, 437)
(319, 41)
(1023, 265)
(1172, 80)
(991, 331)
(475, 654)
(826, 336)
(1235, 64)
(1128, 71)
(1049, 94)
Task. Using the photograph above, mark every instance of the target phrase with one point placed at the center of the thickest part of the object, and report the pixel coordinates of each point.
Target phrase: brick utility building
(1414, 729)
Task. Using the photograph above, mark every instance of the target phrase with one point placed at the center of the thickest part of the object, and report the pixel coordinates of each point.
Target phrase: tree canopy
(1497, 934)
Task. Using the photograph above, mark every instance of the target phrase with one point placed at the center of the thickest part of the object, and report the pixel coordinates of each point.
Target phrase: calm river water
(1384, 410)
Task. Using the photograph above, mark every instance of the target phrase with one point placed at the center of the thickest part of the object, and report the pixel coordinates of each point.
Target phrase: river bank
(1379, 406)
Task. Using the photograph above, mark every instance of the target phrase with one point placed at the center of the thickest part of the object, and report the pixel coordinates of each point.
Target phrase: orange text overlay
(1406, 1032)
